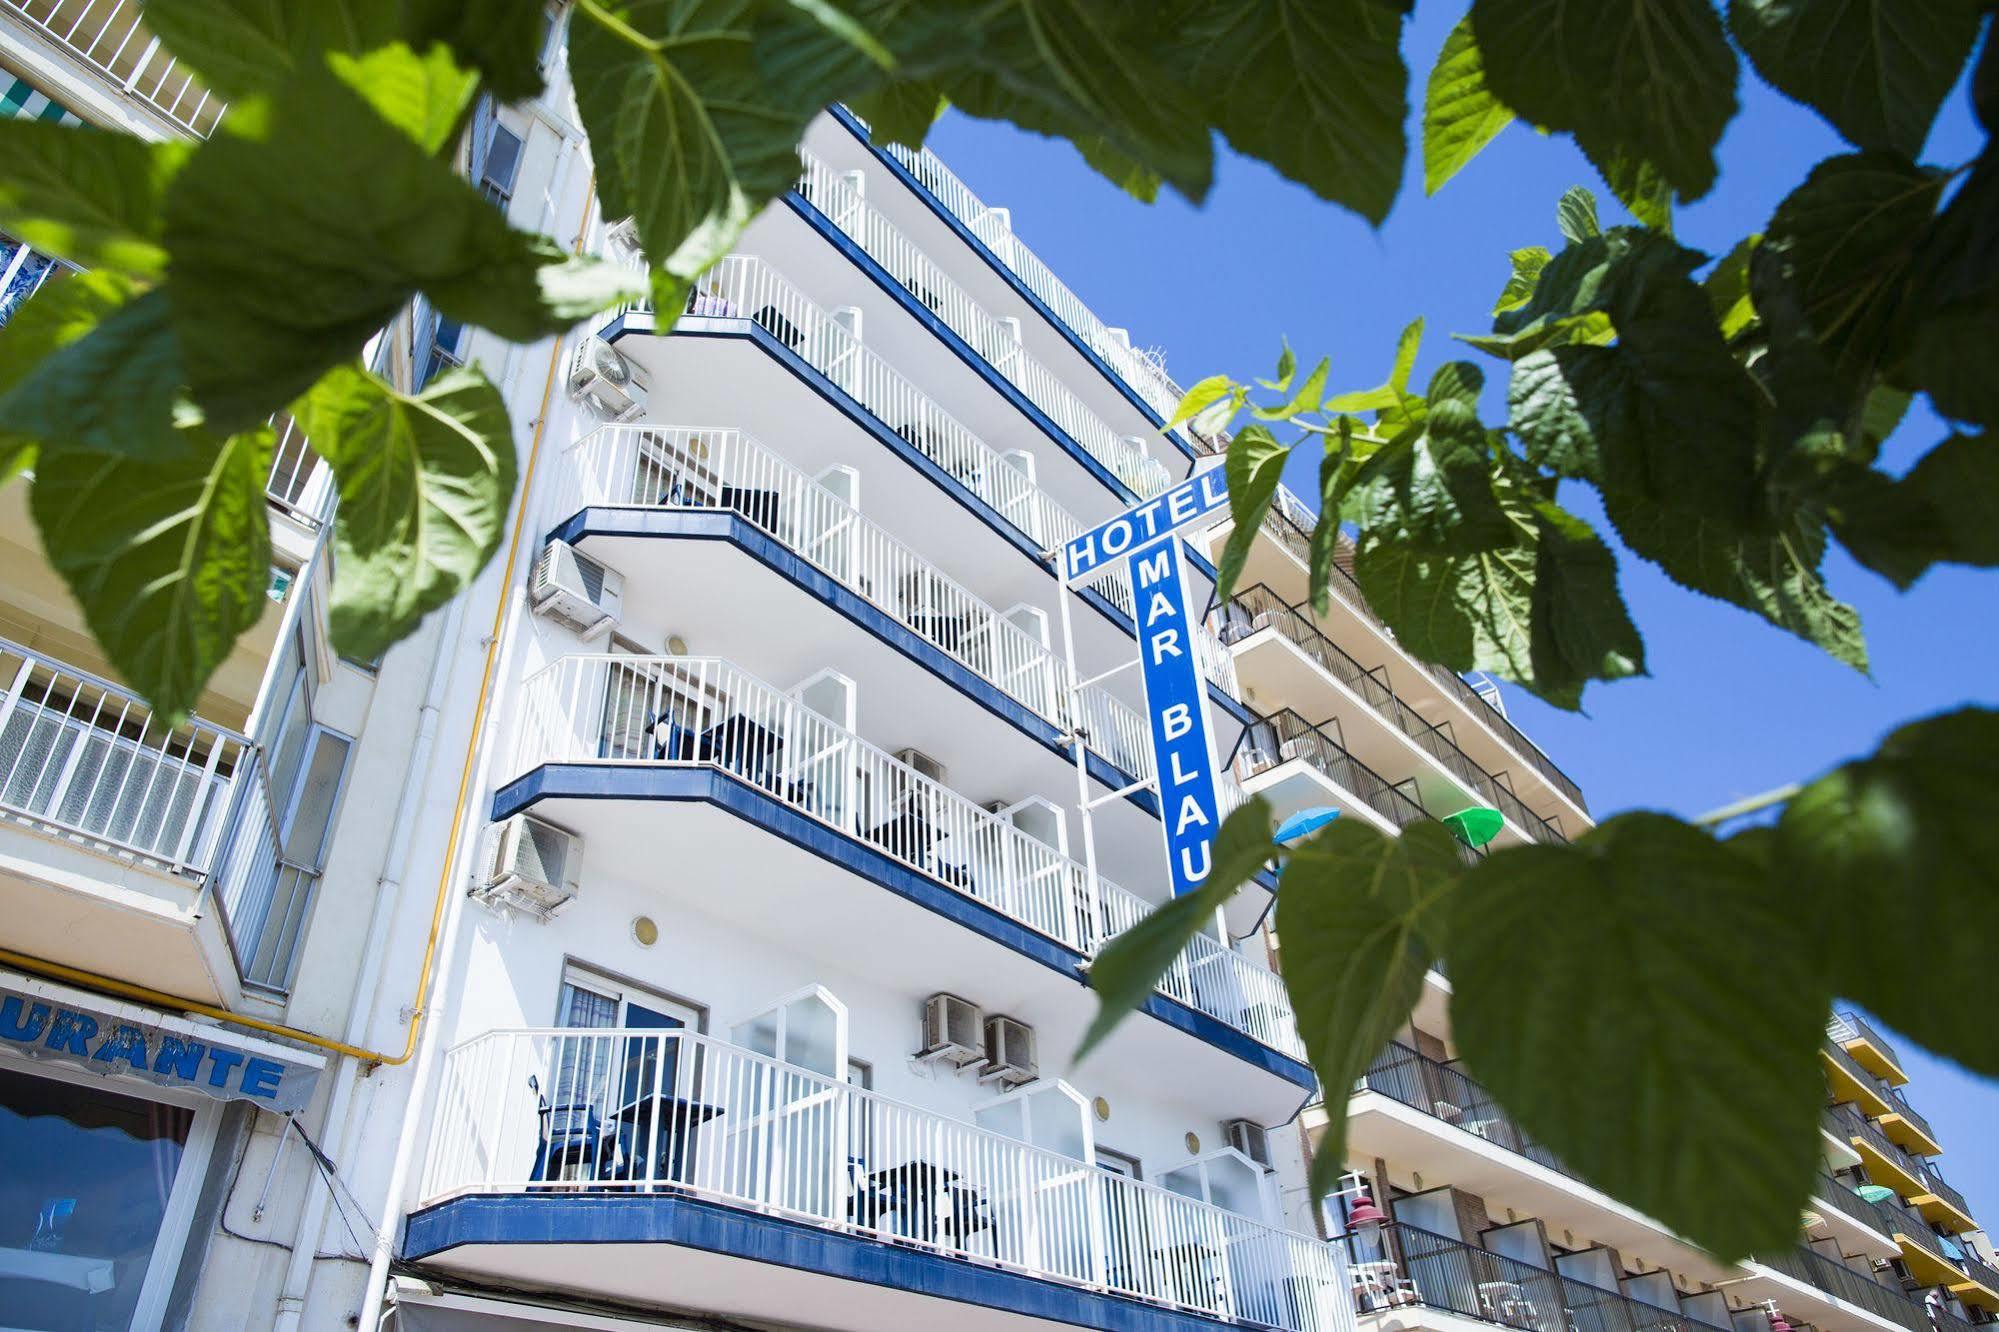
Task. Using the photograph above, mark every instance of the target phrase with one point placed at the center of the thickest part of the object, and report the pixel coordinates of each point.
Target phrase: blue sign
(47, 1023)
(1182, 748)
(1168, 511)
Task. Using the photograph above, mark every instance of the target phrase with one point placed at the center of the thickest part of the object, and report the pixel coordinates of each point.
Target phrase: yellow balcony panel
(1885, 1169)
(1934, 1206)
(1974, 1291)
(1925, 1265)
(1908, 1133)
(1846, 1087)
(1868, 1048)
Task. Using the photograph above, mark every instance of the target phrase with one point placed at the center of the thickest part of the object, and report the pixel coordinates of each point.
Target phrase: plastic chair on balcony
(572, 1137)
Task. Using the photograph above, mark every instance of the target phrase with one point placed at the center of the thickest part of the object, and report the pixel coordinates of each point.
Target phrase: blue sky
(1732, 707)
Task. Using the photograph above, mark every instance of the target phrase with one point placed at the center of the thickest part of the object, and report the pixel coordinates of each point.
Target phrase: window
(93, 1201)
(500, 164)
(440, 348)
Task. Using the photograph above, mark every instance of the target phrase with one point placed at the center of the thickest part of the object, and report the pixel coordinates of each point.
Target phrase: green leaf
(280, 273)
(1431, 485)
(1647, 80)
(1727, 287)
(1519, 289)
(1876, 69)
(114, 387)
(425, 483)
(1772, 568)
(1314, 88)
(1956, 294)
(1307, 398)
(1905, 841)
(1468, 612)
(1849, 239)
(170, 557)
(1671, 1063)
(1460, 114)
(1579, 628)
(1120, 168)
(1639, 185)
(1575, 215)
(1287, 366)
(404, 58)
(63, 312)
(1125, 972)
(900, 112)
(1389, 394)
(1255, 465)
(691, 135)
(1360, 915)
(1946, 510)
(1199, 398)
(87, 195)
(1338, 470)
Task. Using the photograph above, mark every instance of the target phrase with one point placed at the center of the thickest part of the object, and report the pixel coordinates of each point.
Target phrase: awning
(21, 100)
(76, 1029)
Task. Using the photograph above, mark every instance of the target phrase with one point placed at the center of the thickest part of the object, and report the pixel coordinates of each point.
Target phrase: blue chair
(572, 1134)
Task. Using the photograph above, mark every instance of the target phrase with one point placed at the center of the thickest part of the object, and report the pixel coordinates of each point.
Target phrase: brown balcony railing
(1448, 1093)
(1259, 607)
(1839, 1280)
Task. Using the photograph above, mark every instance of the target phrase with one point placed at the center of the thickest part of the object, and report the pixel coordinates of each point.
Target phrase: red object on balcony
(1365, 1213)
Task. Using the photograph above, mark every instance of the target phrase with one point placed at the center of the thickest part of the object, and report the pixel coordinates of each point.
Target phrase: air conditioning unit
(1250, 1138)
(951, 1031)
(925, 765)
(600, 375)
(534, 867)
(574, 590)
(1009, 1052)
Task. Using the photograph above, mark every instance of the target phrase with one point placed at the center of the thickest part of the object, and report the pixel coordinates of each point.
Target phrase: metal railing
(1842, 1282)
(1941, 1187)
(1289, 523)
(1258, 608)
(993, 228)
(549, 1112)
(110, 35)
(85, 759)
(1850, 1026)
(1447, 1093)
(631, 710)
(1900, 1100)
(1977, 1269)
(1857, 1124)
(1883, 1217)
(1398, 1264)
(835, 198)
(299, 482)
(686, 467)
(1849, 1065)
(1901, 1219)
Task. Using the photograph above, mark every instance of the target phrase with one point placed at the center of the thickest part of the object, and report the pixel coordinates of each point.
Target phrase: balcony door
(614, 1101)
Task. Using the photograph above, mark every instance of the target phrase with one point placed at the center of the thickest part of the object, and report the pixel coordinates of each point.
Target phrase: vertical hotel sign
(1183, 748)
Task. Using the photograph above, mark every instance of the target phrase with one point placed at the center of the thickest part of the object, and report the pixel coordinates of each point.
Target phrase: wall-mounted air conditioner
(1009, 1052)
(600, 375)
(952, 1031)
(572, 589)
(1250, 1138)
(925, 765)
(533, 867)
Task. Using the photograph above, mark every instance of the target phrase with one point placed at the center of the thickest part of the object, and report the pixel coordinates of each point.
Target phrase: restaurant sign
(83, 1031)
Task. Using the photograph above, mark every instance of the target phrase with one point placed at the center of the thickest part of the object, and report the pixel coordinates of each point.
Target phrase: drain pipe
(367, 987)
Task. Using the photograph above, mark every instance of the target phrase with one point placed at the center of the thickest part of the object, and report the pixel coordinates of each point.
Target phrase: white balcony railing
(679, 467)
(530, 1112)
(299, 482)
(993, 226)
(110, 35)
(87, 761)
(702, 711)
(745, 288)
(835, 197)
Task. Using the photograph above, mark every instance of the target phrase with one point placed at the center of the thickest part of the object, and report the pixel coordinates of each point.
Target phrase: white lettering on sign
(1194, 498)
(1183, 753)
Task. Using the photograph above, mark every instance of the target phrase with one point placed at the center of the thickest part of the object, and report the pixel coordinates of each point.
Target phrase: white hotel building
(686, 928)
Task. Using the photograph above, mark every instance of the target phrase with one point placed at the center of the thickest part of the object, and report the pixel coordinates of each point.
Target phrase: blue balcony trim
(721, 525)
(642, 323)
(590, 781)
(1007, 275)
(694, 1223)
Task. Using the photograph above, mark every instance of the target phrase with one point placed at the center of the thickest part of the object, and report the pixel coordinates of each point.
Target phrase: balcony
(834, 198)
(1849, 1081)
(1858, 1224)
(1906, 1125)
(1867, 1046)
(992, 228)
(1432, 1118)
(1455, 777)
(1281, 567)
(603, 738)
(743, 294)
(670, 1168)
(1938, 1201)
(1325, 768)
(1886, 1161)
(1830, 1293)
(1400, 1268)
(299, 484)
(112, 825)
(110, 38)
